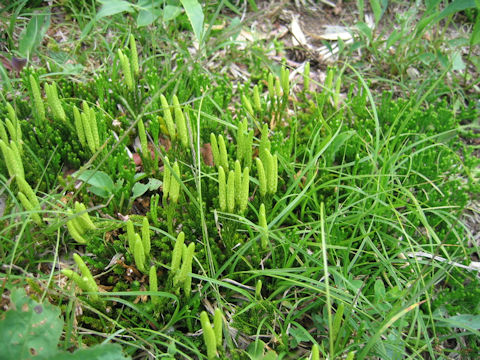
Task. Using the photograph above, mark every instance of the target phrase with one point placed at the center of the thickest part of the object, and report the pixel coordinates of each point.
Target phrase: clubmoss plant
(186, 267)
(315, 353)
(13, 127)
(175, 185)
(306, 77)
(54, 102)
(247, 105)
(208, 336)
(139, 246)
(271, 87)
(126, 69)
(262, 178)
(80, 223)
(244, 144)
(139, 254)
(218, 327)
(177, 252)
(27, 204)
(256, 98)
(134, 56)
(231, 191)
(222, 189)
(167, 177)
(147, 160)
(153, 283)
(12, 158)
(262, 222)
(171, 190)
(180, 122)
(153, 213)
(219, 151)
(167, 116)
(182, 258)
(38, 105)
(258, 290)
(146, 235)
(130, 235)
(87, 127)
(85, 281)
(285, 80)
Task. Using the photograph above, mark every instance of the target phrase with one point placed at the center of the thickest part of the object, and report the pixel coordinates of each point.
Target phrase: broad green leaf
(456, 6)
(98, 352)
(195, 16)
(5, 78)
(97, 179)
(431, 19)
(457, 61)
(377, 10)
(148, 16)
(475, 37)
(365, 30)
(112, 7)
(170, 12)
(138, 190)
(464, 321)
(154, 184)
(32, 36)
(149, 12)
(299, 334)
(256, 350)
(379, 288)
(29, 328)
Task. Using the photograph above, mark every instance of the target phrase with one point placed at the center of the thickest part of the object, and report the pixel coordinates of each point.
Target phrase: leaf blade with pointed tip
(195, 15)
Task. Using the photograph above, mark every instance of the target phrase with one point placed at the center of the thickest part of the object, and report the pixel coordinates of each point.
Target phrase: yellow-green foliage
(208, 336)
(222, 189)
(262, 222)
(262, 178)
(127, 70)
(134, 55)
(219, 151)
(54, 102)
(29, 207)
(218, 327)
(284, 80)
(130, 235)
(167, 116)
(256, 98)
(79, 223)
(37, 100)
(306, 77)
(231, 191)
(153, 282)
(244, 144)
(146, 235)
(180, 121)
(139, 246)
(86, 127)
(247, 105)
(139, 253)
(86, 282)
(167, 176)
(171, 183)
(186, 267)
(177, 252)
(143, 139)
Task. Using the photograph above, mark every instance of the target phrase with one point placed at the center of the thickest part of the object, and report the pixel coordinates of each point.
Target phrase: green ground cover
(153, 207)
